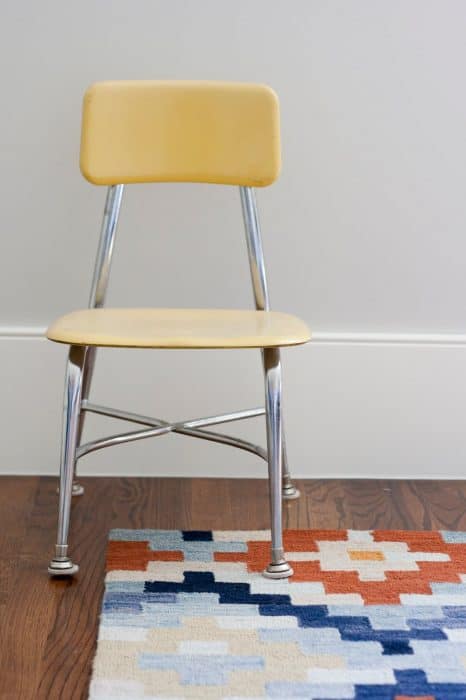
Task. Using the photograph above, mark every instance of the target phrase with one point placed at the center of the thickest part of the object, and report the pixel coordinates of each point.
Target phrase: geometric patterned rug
(367, 615)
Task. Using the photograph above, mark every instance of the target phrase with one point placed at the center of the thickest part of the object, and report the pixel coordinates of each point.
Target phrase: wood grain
(48, 627)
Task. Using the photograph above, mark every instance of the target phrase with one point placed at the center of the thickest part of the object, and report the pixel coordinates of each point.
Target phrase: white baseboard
(377, 338)
(391, 338)
(361, 405)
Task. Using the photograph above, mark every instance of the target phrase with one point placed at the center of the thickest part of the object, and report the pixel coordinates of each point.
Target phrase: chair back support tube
(255, 252)
(105, 250)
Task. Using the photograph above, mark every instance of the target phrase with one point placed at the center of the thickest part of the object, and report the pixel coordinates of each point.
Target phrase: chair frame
(79, 372)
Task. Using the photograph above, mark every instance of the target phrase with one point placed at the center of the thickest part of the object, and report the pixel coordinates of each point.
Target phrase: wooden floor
(48, 627)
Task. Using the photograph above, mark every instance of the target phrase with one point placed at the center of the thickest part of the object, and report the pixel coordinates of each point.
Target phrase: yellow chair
(176, 131)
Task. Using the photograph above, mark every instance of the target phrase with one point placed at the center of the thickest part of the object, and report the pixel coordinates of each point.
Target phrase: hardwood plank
(16, 501)
(49, 627)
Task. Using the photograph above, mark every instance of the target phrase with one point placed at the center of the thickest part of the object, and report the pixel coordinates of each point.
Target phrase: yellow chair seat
(179, 328)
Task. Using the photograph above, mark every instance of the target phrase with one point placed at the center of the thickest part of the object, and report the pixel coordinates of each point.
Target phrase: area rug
(368, 615)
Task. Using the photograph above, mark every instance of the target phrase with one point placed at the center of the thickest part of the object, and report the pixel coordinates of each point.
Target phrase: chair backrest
(180, 131)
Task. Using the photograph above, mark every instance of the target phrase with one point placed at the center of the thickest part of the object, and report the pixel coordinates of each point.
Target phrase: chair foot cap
(290, 492)
(62, 566)
(77, 490)
(280, 570)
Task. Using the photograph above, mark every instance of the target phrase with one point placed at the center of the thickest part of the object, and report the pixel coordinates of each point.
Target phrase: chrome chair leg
(88, 371)
(278, 567)
(289, 490)
(61, 564)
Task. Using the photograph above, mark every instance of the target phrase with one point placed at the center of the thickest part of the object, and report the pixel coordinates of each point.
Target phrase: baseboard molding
(342, 476)
(359, 405)
(390, 338)
(23, 332)
(325, 337)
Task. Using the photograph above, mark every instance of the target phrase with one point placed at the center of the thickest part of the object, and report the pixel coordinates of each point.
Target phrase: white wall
(364, 232)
